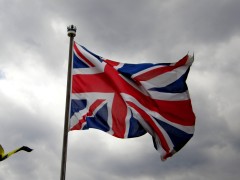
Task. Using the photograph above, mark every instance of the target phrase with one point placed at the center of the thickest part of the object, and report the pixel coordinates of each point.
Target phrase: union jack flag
(129, 100)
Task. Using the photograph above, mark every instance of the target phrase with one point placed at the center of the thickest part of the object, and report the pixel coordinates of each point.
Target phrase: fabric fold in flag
(130, 100)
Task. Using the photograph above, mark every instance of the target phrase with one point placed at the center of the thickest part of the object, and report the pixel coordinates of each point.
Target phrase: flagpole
(71, 33)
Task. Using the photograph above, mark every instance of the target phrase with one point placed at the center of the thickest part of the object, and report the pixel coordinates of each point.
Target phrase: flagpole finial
(71, 30)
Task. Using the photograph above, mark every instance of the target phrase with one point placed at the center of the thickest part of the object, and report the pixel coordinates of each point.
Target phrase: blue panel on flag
(135, 129)
(99, 121)
(77, 105)
(178, 137)
(130, 69)
(178, 86)
(77, 63)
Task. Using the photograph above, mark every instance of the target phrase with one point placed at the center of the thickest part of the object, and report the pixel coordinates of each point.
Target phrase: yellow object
(5, 156)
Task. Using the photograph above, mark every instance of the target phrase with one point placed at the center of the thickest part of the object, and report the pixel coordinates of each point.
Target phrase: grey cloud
(161, 25)
(130, 31)
(20, 127)
(31, 34)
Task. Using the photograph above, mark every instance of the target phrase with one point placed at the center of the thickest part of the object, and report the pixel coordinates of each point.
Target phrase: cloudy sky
(33, 68)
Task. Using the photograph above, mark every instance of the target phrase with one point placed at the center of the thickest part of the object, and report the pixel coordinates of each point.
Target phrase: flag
(4, 156)
(129, 100)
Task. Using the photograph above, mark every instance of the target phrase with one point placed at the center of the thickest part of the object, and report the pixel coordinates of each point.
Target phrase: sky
(33, 74)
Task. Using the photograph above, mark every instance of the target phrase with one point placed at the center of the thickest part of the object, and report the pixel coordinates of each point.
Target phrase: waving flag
(129, 100)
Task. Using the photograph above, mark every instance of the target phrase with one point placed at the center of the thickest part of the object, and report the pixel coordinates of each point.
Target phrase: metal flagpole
(71, 33)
